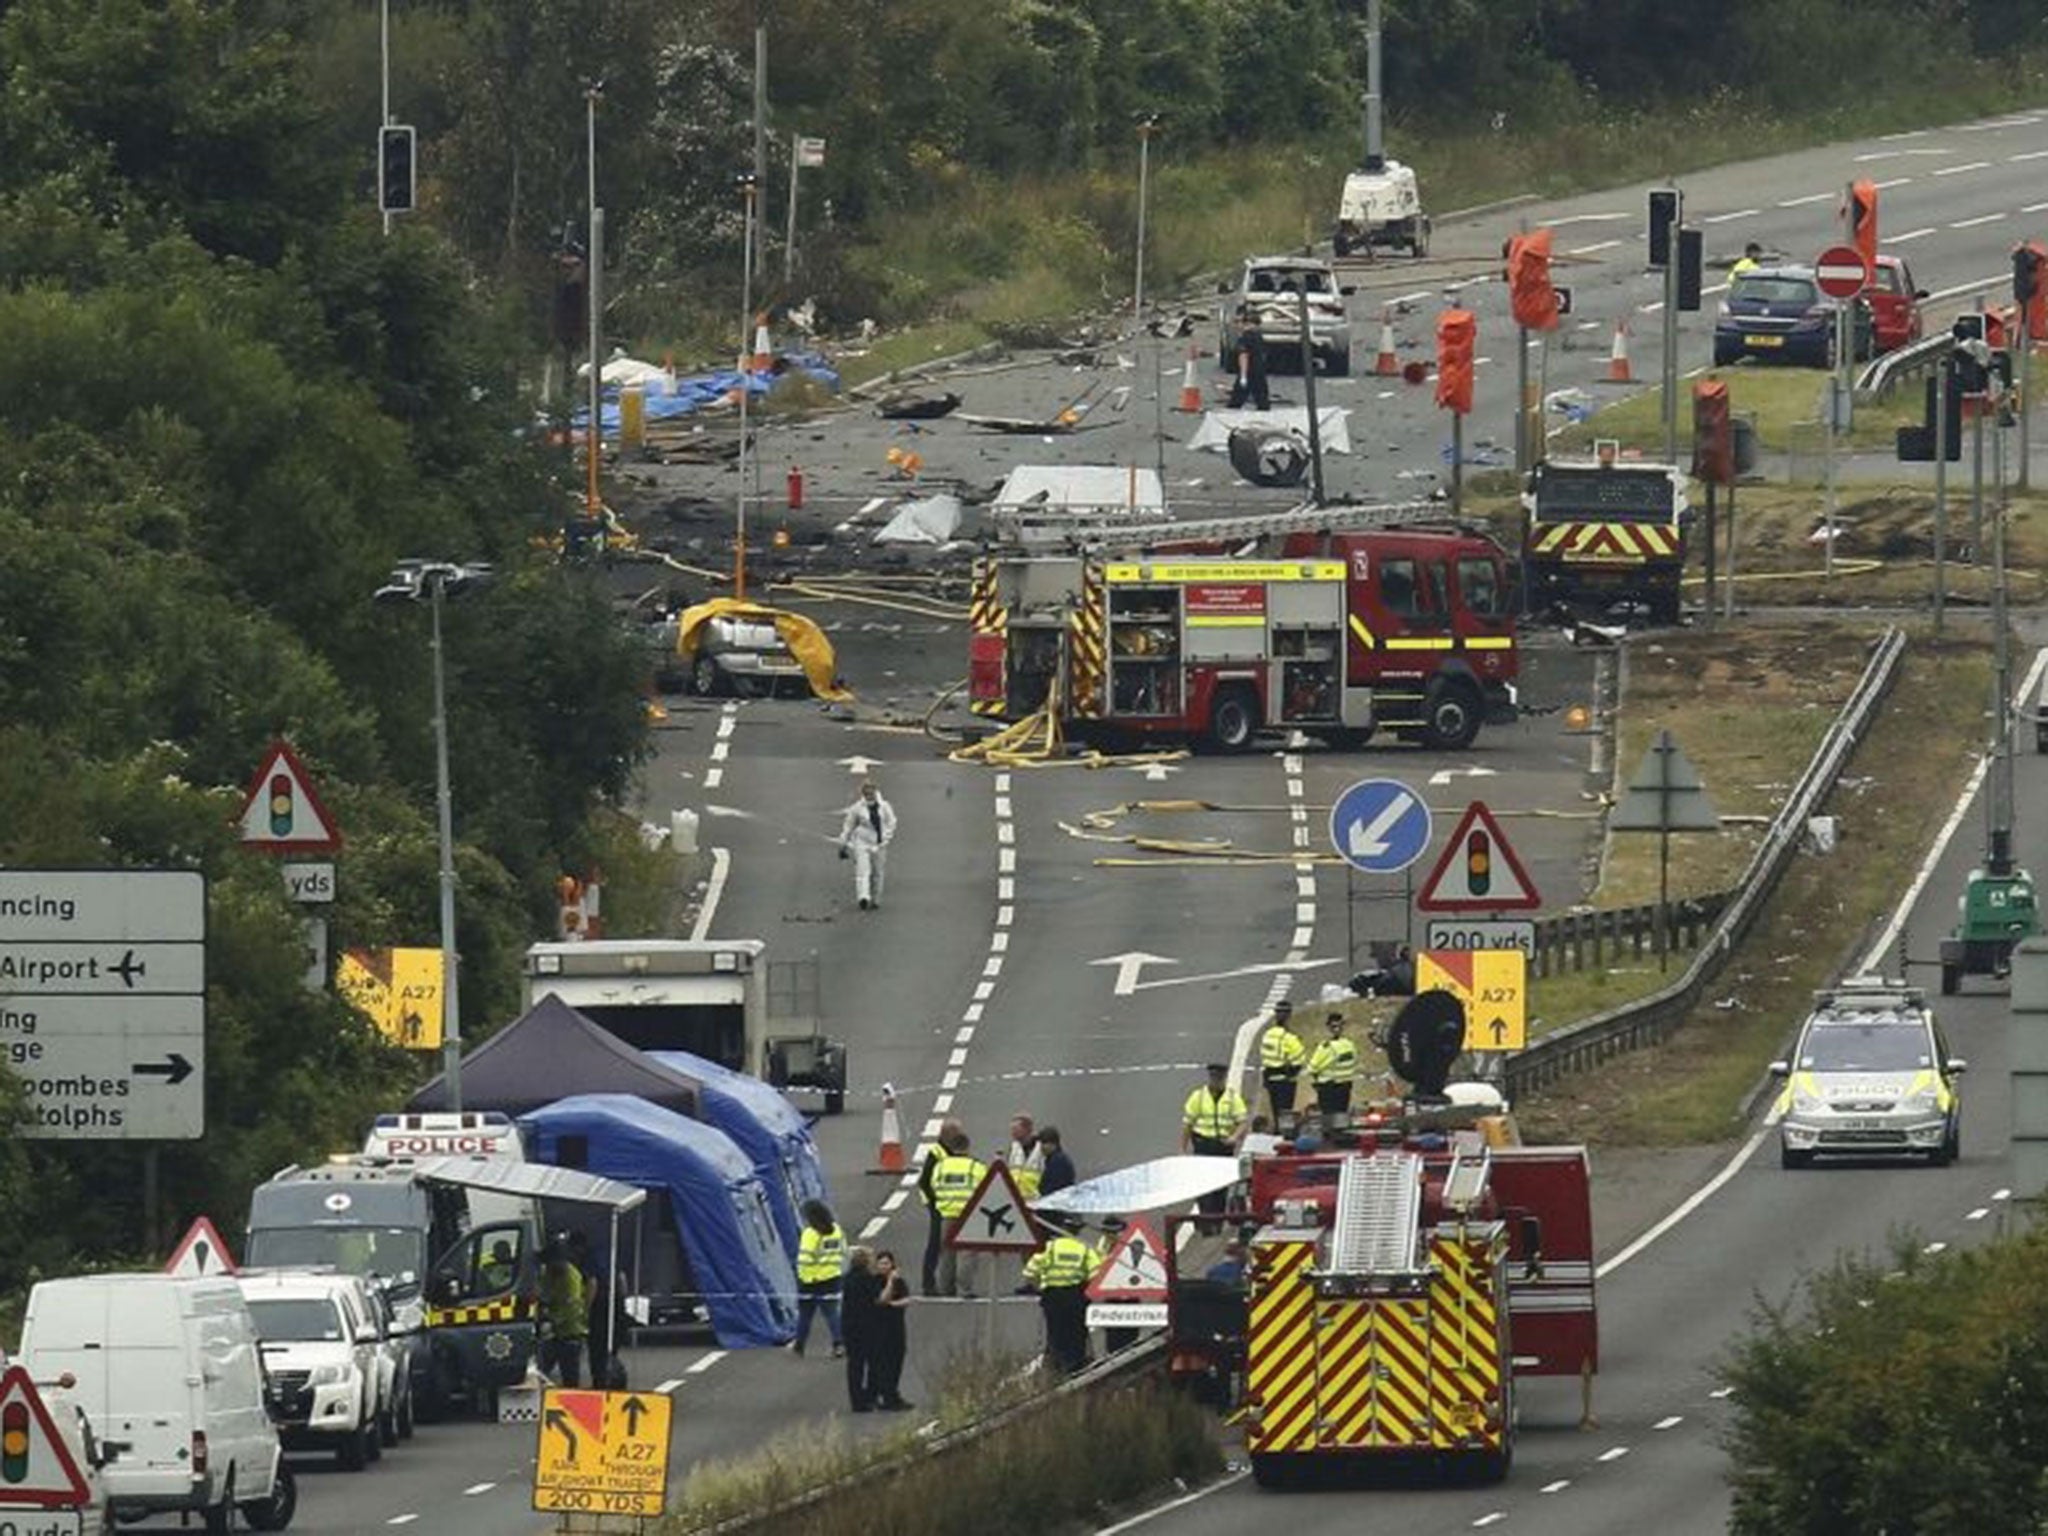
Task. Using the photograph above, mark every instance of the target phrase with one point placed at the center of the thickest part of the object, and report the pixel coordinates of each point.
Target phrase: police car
(1872, 1077)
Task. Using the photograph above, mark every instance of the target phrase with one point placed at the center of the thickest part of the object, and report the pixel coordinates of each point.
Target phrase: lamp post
(593, 436)
(750, 187)
(1148, 124)
(436, 581)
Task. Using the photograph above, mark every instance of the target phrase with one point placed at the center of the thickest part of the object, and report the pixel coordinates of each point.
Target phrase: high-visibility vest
(562, 1304)
(1335, 1061)
(820, 1256)
(954, 1181)
(1281, 1050)
(1064, 1262)
(1216, 1116)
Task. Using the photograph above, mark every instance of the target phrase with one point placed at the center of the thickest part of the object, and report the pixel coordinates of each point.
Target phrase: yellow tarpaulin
(806, 642)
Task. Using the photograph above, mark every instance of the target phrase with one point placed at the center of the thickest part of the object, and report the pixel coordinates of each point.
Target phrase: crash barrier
(1883, 371)
(958, 1446)
(1650, 1020)
(1574, 940)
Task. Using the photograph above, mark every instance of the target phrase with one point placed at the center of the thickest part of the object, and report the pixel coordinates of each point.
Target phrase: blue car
(1780, 314)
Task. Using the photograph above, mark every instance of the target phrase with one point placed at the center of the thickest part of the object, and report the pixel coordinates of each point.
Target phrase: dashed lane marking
(662, 1390)
(1726, 218)
(714, 892)
(1670, 1422)
(1935, 1247)
(1596, 246)
(1982, 218)
(1967, 165)
(1494, 1517)
(698, 1367)
(2032, 154)
(1557, 1486)
(1811, 197)
(1911, 234)
(476, 1488)
(401, 1520)
(713, 777)
(1978, 1214)
(1720, 1392)
(1896, 181)
(1612, 1453)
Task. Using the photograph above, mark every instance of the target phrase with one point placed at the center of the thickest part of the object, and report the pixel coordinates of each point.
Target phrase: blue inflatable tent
(768, 1128)
(710, 1201)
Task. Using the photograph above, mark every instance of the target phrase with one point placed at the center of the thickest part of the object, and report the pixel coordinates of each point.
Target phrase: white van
(321, 1353)
(166, 1370)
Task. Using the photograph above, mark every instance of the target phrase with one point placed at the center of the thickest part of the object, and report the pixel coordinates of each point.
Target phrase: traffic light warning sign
(281, 813)
(37, 1470)
(1478, 870)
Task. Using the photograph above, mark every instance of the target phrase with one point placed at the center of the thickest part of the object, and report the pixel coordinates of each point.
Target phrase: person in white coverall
(864, 836)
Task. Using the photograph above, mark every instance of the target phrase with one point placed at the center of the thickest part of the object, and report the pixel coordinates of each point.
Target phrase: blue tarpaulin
(693, 392)
(767, 1127)
(742, 1272)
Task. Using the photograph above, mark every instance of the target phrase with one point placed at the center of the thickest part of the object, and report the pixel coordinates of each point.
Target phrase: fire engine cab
(1216, 631)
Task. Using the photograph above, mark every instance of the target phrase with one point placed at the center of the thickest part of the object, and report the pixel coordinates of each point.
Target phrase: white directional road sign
(103, 1001)
(1380, 826)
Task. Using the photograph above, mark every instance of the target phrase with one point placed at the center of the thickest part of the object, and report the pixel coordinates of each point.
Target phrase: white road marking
(964, 1035)
(401, 1520)
(1588, 250)
(1651, 309)
(1978, 1214)
(698, 1367)
(1006, 860)
(1006, 889)
(1612, 1453)
(2032, 154)
(2001, 1194)
(931, 1128)
(1672, 1422)
(1908, 133)
(1896, 181)
(993, 966)
(719, 749)
(476, 1488)
(872, 1228)
(1982, 218)
(957, 1059)
(1003, 806)
(1005, 916)
(1171, 1505)
(726, 721)
(896, 1198)
(1386, 394)
(1303, 937)
(999, 942)
(1413, 298)
(1691, 1203)
(1305, 912)
(1967, 165)
(973, 1014)
(982, 989)
(1725, 218)
(1556, 1487)
(1720, 1392)
(1911, 234)
(1002, 783)
(1811, 197)
(1494, 1518)
(713, 777)
(714, 892)
(1005, 833)
(943, 1103)
(1936, 1247)
(1480, 361)
(1589, 325)
(1583, 218)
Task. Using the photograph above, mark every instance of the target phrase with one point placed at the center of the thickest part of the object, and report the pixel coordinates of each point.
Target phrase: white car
(395, 1343)
(1271, 287)
(325, 1360)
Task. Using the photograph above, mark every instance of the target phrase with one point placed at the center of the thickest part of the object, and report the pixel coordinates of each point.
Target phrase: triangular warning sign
(200, 1252)
(1478, 871)
(996, 1218)
(1665, 795)
(1135, 1269)
(281, 812)
(37, 1468)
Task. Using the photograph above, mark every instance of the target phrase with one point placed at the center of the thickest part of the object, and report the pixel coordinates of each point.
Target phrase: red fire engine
(1309, 622)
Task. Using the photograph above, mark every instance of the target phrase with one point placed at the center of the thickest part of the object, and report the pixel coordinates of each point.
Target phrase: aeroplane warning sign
(996, 1218)
(603, 1453)
(399, 990)
(281, 812)
(1135, 1269)
(1493, 986)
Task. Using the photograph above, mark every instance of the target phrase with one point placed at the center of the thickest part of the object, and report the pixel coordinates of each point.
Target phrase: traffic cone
(1190, 387)
(760, 362)
(890, 1159)
(1387, 366)
(1617, 360)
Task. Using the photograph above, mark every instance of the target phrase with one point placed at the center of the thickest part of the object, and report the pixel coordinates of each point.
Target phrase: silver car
(744, 656)
(1271, 287)
(1872, 1076)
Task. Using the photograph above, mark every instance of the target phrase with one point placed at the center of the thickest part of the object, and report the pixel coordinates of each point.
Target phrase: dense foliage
(1902, 1398)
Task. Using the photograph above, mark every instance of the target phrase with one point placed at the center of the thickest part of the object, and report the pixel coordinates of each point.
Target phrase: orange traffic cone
(760, 362)
(1387, 366)
(890, 1159)
(1617, 360)
(1190, 387)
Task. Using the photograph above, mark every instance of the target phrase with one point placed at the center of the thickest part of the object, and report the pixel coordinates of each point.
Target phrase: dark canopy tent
(550, 1052)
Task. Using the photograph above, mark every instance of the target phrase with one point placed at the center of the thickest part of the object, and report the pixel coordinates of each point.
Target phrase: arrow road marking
(558, 1421)
(1369, 842)
(860, 766)
(1444, 776)
(1132, 962)
(1128, 965)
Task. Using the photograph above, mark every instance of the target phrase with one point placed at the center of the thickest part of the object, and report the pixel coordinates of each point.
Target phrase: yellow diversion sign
(1493, 986)
(602, 1453)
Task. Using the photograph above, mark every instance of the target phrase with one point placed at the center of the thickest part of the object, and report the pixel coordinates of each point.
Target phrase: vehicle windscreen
(1567, 493)
(1772, 290)
(1899, 1047)
(295, 1320)
(394, 1253)
(1887, 280)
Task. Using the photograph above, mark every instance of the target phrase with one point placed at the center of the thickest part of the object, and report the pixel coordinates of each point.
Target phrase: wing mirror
(1781, 1069)
(1348, 289)
(1921, 293)
(1957, 1066)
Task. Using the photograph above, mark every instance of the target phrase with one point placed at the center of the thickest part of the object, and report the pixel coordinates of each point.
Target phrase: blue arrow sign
(1380, 826)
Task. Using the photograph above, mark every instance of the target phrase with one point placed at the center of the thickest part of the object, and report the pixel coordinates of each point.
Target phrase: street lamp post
(435, 581)
(593, 437)
(1148, 124)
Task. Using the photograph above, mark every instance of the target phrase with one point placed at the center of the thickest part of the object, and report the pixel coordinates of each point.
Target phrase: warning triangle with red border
(282, 812)
(1449, 886)
(202, 1251)
(48, 1476)
(996, 1218)
(1135, 1269)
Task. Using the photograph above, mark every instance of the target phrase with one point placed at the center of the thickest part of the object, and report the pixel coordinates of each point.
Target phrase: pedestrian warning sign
(200, 1252)
(996, 1218)
(281, 812)
(399, 990)
(37, 1469)
(1135, 1269)
(602, 1453)
(1478, 870)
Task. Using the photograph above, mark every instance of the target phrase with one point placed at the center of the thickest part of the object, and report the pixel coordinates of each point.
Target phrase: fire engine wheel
(1233, 720)
(1450, 716)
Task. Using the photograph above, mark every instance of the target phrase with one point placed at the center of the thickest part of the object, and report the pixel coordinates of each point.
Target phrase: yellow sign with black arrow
(602, 1453)
(1493, 984)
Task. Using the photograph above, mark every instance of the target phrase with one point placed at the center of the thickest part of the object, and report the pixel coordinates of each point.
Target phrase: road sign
(996, 1218)
(1116, 1314)
(1135, 1269)
(1380, 826)
(1478, 871)
(201, 1252)
(400, 990)
(103, 1001)
(282, 813)
(1665, 794)
(310, 885)
(37, 1470)
(1481, 933)
(1493, 986)
(1840, 271)
(602, 1453)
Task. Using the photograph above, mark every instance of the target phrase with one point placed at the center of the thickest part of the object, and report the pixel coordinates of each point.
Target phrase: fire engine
(1333, 622)
(1600, 531)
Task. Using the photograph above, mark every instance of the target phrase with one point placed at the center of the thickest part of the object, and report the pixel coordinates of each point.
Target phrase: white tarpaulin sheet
(933, 520)
(1155, 1186)
(1333, 420)
(1092, 490)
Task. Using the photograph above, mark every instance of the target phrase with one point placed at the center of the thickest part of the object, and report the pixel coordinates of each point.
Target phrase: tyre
(275, 1512)
(1341, 246)
(1951, 977)
(1450, 716)
(707, 678)
(1348, 740)
(1233, 720)
(406, 1423)
(1419, 246)
(1788, 1158)
(1951, 1146)
(1725, 356)
(353, 1453)
(373, 1439)
(1340, 364)
(221, 1517)
(2040, 740)
(835, 1102)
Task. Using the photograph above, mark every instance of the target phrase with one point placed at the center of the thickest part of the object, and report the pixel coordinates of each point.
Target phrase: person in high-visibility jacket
(1060, 1272)
(820, 1273)
(1332, 1069)
(955, 1175)
(564, 1314)
(1212, 1123)
(1281, 1058)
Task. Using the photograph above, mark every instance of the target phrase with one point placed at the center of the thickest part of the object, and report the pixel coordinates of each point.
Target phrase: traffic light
(1456, 332)
(1917, 445)
(14, 1442)
(1664, 204)
(1478, 863)
(280, 805)
(1530, 292)
(396, 172)
(1691, 256)
(1862, 215)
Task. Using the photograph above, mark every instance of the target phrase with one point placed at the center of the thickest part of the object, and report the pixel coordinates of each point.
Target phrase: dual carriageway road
(1050, 1036)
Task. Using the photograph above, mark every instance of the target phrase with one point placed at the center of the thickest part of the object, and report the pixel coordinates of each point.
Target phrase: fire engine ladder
(1114, 533)
(1378, 1229)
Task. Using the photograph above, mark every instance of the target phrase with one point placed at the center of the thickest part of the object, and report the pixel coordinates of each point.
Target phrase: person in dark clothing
(859, 1327)
(604, 1322)
(1059, 1164)
(1250, 358)
(952, 1138)
(892, 1311)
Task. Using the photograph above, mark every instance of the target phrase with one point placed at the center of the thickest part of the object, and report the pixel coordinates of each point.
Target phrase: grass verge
(1786, 402)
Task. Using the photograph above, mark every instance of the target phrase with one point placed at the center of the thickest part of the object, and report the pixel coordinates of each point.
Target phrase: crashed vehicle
(1269, 286)
(731, 646)
(1381, 206)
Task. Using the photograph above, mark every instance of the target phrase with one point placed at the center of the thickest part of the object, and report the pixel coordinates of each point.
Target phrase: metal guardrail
(1649, 1020)
(1571, 941)
(1881, 373)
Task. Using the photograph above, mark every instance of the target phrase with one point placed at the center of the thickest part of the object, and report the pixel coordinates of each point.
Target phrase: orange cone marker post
(760, 363)
(1387, 366)
(1190, 387)
(890, 1159)
(1617, 360)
